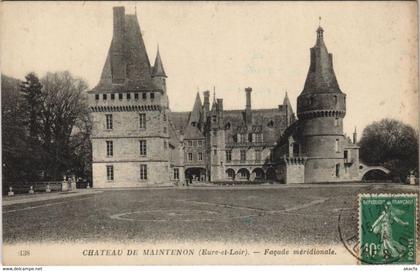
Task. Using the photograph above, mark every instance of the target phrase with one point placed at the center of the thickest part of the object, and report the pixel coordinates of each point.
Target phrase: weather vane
(319, 20)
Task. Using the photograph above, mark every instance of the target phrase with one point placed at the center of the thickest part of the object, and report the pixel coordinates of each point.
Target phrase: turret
(321, 107)
(159, 77)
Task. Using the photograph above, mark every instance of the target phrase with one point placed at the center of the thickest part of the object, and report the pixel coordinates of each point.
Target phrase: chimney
(248, 112)
(354, 136)
(206, 104)
(118, 65)
(118, 23)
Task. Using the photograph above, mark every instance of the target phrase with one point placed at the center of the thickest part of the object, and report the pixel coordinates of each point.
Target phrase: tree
(65, 117)
(14, 147)
(31, 106)
(392, 144)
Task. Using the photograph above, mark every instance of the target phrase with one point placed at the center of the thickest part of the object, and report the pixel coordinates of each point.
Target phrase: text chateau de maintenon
(138, 141)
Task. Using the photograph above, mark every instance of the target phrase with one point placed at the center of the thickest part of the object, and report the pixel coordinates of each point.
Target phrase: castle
(138, 141)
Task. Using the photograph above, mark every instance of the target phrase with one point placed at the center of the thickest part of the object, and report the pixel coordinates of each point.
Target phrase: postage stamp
(387, 228)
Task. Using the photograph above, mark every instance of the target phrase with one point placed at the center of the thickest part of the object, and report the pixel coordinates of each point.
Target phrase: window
(152, 95)
(335, 99)
(337, 170)
(336, 122)
(142, 121)
(120, 96)
(215, 152)
(200, 142)
(176, 173)
(227, 126)
(195, 143)
(165, 144)
(229, 155)
(136, 96)
(295, 149)
(345, 154)
(96, 96)
(270, 123)
(189, 143)
(242, 138)
(190, 156)
(336, 146)
(258, 138)
(257, 155)
(243, 155)
(213, 118)
(164, 117)
(165, 130)
(108, 121)
(110, 173)
(200, 156)
(128, 96)
(143, 172)
(143, 148)
(104, 96)
(144, 96)
(250, 137)
(109, 148)
(112, 96)
(271, 155)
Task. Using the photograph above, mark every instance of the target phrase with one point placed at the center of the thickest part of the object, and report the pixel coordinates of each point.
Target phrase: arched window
(335, 99)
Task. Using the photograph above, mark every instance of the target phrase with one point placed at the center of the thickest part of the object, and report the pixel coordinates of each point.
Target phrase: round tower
(321, 107)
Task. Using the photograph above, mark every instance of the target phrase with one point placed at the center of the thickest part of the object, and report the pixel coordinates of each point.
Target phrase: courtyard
(274, 213)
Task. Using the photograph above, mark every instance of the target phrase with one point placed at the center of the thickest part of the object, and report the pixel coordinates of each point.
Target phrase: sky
(232, 45)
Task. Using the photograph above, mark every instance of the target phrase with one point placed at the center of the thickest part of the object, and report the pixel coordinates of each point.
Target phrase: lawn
(271, 213)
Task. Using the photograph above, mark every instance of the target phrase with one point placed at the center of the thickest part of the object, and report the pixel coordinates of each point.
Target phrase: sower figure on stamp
(383, 227)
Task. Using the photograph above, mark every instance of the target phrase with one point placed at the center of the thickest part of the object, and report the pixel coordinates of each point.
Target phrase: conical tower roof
(196, 112)
(321, 77)
(286, 100)
(158, 69)
(127, 66)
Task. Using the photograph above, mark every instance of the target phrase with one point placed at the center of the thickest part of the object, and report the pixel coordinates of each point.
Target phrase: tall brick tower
(321, 108)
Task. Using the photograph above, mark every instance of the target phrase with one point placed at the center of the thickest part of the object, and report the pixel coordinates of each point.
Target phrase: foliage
(392, 144)
(47, 128)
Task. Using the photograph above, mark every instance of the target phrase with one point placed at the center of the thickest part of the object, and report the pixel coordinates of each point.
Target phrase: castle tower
(128, 108)
(321, 107)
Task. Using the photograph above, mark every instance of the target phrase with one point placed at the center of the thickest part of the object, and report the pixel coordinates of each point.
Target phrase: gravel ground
(306, 214)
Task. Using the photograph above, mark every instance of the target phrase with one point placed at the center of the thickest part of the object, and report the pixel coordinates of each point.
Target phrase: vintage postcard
(209, 133)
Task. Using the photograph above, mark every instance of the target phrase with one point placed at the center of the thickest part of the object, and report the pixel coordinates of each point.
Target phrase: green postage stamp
(387, 228)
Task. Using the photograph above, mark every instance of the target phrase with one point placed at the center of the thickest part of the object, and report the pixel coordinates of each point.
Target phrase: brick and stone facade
(138, 141)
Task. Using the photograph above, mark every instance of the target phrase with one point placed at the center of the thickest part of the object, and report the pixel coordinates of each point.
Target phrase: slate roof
(321, 77)
(158, 69)
(127, 57)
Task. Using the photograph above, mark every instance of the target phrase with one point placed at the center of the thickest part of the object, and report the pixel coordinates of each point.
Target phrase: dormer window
(144, 96)
(96, 96)
(120, 96)
(112, 96)
(152, 95)
(128, 96)
(136, 96)
(104, 96)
